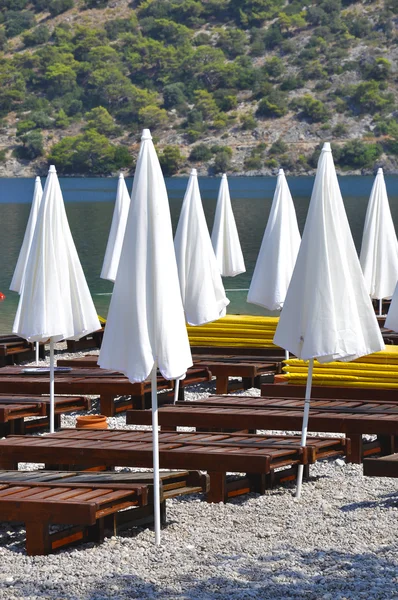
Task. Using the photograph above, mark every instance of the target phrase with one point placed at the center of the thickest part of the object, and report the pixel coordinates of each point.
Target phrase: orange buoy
(2, 296)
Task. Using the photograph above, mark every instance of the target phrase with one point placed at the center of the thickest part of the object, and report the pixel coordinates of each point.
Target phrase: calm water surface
(90, 202)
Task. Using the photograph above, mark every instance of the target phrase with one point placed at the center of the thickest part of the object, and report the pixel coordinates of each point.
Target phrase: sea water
(89, 206)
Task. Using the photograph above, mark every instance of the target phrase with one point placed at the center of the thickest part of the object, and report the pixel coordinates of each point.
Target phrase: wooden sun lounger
(252, 370)
(14, 349)
(40, 505)
(384, 466)
(108, 385)
(260, 457)
(229, 413)
(272, 354)
(330, 391)
(92, 340)
(41, 498)
(14, 409)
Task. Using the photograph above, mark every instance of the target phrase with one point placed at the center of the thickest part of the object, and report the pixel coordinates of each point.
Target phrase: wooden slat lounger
(41, 505)
(109, 385)
(351, 417)
(14, 409)
(384, 466)
(250, 369)
(138, 486)
(14, 349)
(259, 456)
(325, 391)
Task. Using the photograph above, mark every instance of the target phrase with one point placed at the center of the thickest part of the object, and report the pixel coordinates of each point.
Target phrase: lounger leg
(387, 444)
(17, 427)
(221, 384)
(218, 487)
(356, 448)
(107, 406)
(248, 382)
(258, 482)
(37, 538)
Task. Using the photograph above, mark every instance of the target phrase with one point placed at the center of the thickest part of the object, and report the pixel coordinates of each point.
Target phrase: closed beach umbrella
(224, 237)
(146, 327)
(327, 314)
(278, 252)
(17, 279)
(55, 302)
(379, 250)
(116, 234)
(202, 290)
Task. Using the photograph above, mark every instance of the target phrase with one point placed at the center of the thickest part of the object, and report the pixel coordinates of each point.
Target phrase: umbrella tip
(380, 171)
(194, 172)
(281, 172)
(146, 135)
(326, 147)
(37, 180)
(224, 176)
(121, 176)
(52, 169)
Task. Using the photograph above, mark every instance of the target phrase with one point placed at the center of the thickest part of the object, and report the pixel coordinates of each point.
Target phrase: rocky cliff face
(255, 88)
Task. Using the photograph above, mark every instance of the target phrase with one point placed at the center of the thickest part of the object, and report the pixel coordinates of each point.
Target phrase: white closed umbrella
(278, 251)
(202, 290)
(145, 326)
(116, 234)
(224, 236)
(55, 302)
(17, 279)
(327, 314)
(379, 249)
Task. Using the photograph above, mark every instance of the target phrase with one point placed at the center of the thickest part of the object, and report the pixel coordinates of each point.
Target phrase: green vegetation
(193, 71)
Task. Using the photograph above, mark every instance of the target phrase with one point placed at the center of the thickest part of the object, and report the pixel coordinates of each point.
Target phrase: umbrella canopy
(17, 280)
(391, 321)
(224, 237)
(379, 250)
(55, 301)
(116, 234)
(278, 252)
(146, 322)
(327, 313)
(202, 290)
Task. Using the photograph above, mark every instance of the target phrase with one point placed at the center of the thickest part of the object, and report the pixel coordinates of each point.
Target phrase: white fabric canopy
(202, 290)
(391, 321)
(146, 321)
(116, 234)
(379, 251)
(224, 237)
(278, 252)
(327, 313)
(17, 280)
(55, 301)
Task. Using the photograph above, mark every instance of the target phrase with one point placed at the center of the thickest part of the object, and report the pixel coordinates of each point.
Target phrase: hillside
(242, 86)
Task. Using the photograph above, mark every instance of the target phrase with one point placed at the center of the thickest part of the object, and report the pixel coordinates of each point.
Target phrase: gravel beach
(338, 542)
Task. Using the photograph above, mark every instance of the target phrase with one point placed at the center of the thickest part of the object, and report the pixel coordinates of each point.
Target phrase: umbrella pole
(380, 307)
(51, 385)
(176, 389)
(155, 446)
(305, 424)
(286, 357)
(37, 352)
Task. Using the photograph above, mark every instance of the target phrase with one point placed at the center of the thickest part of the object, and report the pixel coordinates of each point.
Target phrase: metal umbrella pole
(305, 424)
(155, 450)
(52, 385)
